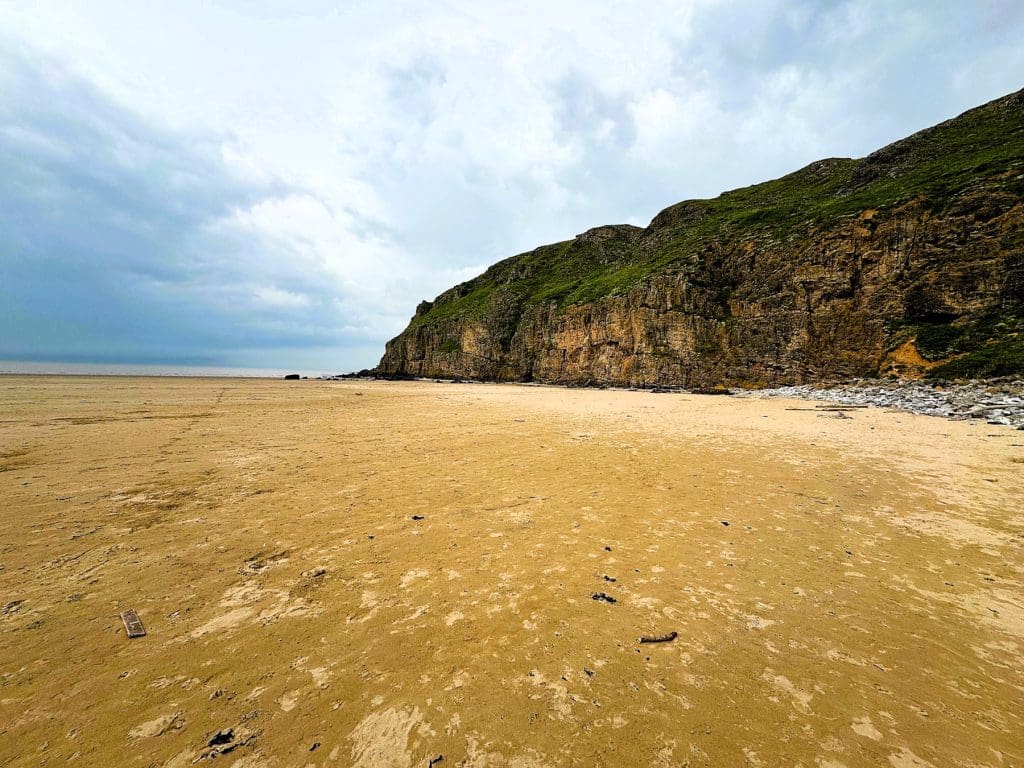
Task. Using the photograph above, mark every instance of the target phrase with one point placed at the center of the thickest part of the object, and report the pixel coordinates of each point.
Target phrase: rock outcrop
(908, 261)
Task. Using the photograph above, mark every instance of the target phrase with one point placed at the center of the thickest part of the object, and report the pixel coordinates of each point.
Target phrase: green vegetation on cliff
(970, 169)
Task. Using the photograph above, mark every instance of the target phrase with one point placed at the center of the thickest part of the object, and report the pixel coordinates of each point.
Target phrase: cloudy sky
(246, 184)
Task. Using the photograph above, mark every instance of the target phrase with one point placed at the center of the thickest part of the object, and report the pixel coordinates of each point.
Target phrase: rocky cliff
(908, 261)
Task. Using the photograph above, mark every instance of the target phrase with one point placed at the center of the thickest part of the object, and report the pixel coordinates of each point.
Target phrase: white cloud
(275, 297)
(352, 159)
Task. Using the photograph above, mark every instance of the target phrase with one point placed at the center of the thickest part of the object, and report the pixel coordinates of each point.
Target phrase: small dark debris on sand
(659, 638)
(222, 737)
(725, 523)
(417, 517)
(603, 596)
(315, 745)
(133, 624)
(435, 760)
(607, 549)
(12, 607)
(226, 741)
(610, 579)
(710, 391)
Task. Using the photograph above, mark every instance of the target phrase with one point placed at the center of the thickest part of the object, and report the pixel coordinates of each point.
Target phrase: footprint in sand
(381, 740)
(225, 621)
(410, 576)
(157, 727)
(288, 700)
(864, 727)
(801, 699)
(907, 759)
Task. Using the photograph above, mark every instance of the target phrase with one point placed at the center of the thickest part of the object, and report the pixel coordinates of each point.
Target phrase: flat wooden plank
(819, 409)
(133, 624)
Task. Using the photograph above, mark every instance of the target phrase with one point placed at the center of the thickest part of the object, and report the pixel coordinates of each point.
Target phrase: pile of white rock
(996, 403)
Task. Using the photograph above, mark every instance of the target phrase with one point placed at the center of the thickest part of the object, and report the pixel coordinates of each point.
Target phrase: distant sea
(112, 369)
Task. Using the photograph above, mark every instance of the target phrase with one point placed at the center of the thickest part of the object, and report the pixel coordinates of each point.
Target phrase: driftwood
(133, 624)
(828, 408)
(660, 638)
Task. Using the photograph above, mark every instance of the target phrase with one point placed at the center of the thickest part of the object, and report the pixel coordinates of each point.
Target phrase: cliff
(908, 261)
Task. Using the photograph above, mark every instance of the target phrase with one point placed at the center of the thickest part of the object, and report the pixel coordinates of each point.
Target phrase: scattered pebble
(1000, 403)
(226, 741)
(221, 737)
(603, 596)
(12, 607)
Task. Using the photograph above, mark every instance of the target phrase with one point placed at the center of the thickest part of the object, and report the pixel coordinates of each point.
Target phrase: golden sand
(864, 605)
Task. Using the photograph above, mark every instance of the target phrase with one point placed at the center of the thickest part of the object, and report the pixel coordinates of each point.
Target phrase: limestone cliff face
(909, 260)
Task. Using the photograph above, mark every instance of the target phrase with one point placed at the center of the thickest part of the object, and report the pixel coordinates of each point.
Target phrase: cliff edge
(909, 261)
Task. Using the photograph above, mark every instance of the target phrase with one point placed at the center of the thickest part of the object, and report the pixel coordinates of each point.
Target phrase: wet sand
(846, 592)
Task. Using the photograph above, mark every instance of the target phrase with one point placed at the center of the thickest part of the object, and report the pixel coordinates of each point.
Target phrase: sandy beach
(379, 574)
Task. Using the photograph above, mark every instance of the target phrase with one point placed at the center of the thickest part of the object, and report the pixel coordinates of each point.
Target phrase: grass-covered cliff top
(932, 166)
(982, 146)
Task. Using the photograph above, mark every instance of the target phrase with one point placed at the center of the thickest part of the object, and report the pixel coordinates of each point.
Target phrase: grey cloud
(585, 111)
(873, 68)
(450, 144)
(412, 88)
(109, 244)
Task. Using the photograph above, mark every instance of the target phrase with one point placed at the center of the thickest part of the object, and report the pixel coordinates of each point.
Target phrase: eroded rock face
(755, 313)
(901, 287)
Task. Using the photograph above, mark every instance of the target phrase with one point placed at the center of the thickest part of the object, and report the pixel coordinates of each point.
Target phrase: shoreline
(999, 402)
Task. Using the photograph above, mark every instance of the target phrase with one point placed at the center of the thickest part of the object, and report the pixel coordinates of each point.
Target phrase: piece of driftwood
(133, 624)
(660, 638)
(819, 410)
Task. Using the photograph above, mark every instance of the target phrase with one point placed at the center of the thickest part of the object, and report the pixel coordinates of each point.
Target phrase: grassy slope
(932, 166)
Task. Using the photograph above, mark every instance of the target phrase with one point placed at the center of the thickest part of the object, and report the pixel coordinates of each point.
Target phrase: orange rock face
(820, 306)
